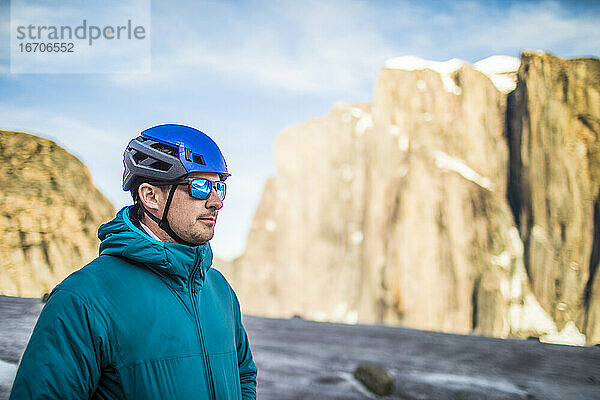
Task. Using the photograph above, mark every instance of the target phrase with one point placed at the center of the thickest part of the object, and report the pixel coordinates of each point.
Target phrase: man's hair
(137, 214)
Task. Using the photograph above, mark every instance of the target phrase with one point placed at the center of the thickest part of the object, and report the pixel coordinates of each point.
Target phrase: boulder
(375, 378)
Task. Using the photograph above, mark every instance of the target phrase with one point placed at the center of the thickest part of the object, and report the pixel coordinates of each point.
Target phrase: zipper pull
(202, 274)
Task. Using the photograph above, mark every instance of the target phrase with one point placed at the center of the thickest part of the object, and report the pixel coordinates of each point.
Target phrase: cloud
(316, 47)
(546, 25)
(337, 47)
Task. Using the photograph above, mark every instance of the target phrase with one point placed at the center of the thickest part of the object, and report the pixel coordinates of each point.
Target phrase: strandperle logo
(74, 36)
(128, 31)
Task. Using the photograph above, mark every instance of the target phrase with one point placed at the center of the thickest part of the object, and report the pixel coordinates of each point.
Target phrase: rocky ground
(300, 359)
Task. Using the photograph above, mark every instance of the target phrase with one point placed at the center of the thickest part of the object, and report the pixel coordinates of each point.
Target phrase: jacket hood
(121, 238)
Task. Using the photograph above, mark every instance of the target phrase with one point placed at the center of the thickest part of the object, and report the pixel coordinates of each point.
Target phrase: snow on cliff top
(444, 68)
(500, 69)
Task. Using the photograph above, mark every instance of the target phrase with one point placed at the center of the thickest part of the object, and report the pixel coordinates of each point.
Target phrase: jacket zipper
(197, 320)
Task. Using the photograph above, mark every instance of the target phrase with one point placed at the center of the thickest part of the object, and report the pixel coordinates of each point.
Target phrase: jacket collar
(120, 237)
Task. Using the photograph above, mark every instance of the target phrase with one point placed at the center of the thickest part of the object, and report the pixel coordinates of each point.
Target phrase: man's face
(194, 219)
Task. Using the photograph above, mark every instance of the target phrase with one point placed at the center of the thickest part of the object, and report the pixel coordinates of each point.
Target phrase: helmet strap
(163, 223)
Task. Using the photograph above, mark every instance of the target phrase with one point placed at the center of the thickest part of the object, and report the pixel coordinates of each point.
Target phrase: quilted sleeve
(64, 356)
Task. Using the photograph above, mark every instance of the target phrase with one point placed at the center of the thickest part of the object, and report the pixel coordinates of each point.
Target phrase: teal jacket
(144, 320)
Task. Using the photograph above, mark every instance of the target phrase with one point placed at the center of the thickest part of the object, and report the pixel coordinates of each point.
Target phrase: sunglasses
(200, 188)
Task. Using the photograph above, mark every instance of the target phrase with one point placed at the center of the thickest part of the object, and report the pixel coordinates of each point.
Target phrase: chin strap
(164, 222)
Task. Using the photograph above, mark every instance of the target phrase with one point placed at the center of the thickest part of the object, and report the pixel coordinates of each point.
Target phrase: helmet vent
(170, 150)
(138, 157)
(198, 159)
(160, 165)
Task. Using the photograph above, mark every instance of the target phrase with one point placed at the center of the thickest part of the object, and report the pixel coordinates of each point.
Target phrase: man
(149, 318)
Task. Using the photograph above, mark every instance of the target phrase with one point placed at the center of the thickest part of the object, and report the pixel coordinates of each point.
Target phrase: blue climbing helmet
(145, 156)
(165, 154)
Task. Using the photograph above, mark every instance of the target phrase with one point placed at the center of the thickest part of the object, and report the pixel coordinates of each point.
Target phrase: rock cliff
(49, 214)
(554, 136)
(397, 212)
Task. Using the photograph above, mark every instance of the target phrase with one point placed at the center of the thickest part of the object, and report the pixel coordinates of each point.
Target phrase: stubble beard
(199, 234)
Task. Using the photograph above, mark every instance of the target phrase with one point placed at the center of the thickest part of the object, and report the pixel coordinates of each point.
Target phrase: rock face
(554, 136)
(49, 214)
(397, 212)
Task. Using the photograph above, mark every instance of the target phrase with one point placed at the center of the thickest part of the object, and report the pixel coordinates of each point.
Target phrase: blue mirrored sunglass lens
(200, 188)
(221, 189)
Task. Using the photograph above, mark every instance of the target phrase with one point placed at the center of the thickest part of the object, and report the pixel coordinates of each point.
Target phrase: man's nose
(213, 200)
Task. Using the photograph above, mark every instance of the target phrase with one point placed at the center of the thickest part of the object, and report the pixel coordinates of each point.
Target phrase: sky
(243, 71)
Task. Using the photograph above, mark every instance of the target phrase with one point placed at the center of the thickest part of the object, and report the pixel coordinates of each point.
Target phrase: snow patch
(348, 377)
(343, 314)
(569, 335)
(574, 266)
(318, 316)
(444, 68)
(497, 65)
(357, 237)
(347, 173)
(444, 161)
(352, 317)
(427, 117)
(7, 373)
(580, 148)
(340, 310)
(505, 287)
(402, 171)
(516, 287)
(403, 142)
(363, 124)
(502, 260)
(270, 225)
(466, 382)
(356, 112)
(502, 71)
(531, 317)
(516, 242)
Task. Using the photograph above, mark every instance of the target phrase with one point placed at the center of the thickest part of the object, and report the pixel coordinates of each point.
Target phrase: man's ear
(150, 196)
